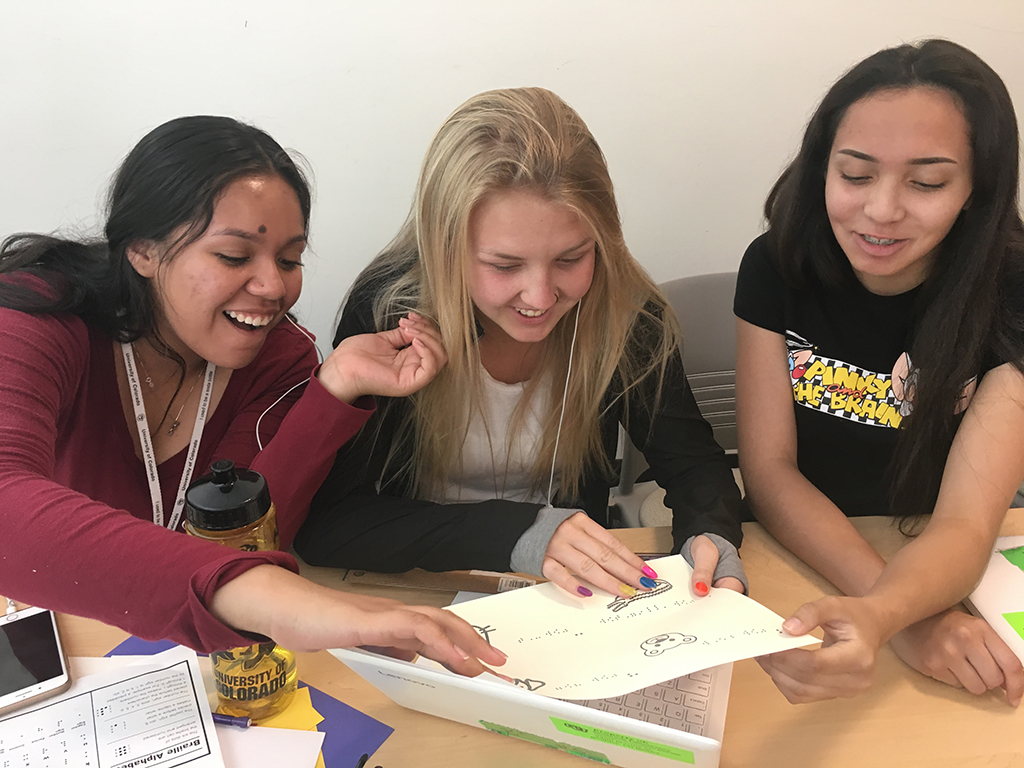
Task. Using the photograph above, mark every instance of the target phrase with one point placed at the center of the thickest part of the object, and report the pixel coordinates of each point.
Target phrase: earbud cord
(319, 357)
(565, 393)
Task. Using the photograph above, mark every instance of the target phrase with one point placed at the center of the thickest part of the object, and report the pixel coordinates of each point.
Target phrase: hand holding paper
(601, 646)
(844, 665)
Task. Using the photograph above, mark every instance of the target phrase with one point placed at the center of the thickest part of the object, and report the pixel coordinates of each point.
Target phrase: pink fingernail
(700, 588)
(584, 591)
(649, 572)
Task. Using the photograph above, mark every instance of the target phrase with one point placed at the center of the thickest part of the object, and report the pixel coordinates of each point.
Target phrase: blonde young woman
(554, 335)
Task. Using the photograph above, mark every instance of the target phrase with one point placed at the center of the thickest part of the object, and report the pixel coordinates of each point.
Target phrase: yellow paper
(300, 714)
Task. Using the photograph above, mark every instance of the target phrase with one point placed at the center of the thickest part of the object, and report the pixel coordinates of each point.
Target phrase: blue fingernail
(649, 583)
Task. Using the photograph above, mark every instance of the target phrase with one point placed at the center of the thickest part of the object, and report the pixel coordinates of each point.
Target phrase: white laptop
(679, 722)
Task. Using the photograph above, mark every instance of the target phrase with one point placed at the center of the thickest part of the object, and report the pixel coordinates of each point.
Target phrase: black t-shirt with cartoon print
(848, 363)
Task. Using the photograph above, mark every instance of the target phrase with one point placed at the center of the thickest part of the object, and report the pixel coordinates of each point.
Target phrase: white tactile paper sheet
(568, 647)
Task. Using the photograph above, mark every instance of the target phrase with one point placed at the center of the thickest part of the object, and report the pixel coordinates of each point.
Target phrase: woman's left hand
(963, 651)
(705, 559)
(392, 363)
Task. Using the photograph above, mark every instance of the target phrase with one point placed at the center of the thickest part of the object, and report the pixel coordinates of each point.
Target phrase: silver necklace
(177, 423)
(149, 381)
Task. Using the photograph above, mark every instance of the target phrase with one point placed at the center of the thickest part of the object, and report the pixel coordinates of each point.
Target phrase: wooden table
(905, 720)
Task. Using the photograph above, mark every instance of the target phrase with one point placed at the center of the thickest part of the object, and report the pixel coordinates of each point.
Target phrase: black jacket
(360, 519)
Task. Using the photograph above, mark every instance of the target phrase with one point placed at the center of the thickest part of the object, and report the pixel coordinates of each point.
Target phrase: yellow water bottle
(232, 507)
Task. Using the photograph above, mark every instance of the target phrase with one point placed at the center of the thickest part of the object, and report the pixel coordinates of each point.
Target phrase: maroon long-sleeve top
(76, 529)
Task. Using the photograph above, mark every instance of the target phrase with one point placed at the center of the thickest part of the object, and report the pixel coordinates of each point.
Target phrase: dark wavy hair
(968, 314)
(171, 179)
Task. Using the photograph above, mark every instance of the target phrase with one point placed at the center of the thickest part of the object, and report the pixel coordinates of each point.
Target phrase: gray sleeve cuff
(528, 553)
(729, 563)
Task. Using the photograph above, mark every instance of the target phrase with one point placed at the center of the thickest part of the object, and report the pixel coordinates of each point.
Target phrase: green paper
(1015, 556)
(515, 733)
(1016, 621)
(621, 740)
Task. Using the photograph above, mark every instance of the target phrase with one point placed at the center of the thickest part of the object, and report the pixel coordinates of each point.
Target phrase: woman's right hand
(303, 616)
(843, 666)
(952, 646)
(582, 547)
(392, 363)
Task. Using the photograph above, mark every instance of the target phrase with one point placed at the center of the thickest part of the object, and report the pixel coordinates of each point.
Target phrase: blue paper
(348, 733)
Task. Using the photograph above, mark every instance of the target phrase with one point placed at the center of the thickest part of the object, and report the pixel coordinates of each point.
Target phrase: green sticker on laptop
(1015, 556)
(1016, 620)
(622, 740)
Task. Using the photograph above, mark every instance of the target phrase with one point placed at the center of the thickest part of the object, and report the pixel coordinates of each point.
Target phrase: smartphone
(32, 661)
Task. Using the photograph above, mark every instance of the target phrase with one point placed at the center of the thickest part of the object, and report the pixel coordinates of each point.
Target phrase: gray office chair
(703, 304)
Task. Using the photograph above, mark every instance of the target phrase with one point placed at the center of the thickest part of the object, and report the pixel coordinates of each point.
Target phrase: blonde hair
(526, 139)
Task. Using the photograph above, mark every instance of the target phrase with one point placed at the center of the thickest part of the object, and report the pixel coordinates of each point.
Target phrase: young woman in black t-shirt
(890, 281)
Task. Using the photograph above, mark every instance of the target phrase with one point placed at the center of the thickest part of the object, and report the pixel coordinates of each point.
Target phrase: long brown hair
(968, 310)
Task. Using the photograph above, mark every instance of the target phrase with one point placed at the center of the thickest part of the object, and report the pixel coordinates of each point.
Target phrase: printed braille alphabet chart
(152, 714)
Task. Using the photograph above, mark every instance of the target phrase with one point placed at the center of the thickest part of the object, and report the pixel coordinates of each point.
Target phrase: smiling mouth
(530, 312)
(880, 240)
(248, 322)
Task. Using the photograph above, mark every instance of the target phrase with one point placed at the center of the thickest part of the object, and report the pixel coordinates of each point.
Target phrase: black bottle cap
(226, 498)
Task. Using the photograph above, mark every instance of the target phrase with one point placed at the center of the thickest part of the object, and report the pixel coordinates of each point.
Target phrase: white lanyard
(148, 457)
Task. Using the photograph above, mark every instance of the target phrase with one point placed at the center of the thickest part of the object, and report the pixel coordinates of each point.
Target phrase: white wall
(697, 103)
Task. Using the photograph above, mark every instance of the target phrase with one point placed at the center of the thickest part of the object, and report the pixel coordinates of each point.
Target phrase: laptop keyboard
(682, 703)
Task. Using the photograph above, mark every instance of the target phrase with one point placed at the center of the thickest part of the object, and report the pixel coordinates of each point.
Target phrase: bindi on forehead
(263, 229)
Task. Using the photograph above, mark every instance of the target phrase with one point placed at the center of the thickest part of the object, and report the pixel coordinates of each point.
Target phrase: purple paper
(136, 646)
(348, 733)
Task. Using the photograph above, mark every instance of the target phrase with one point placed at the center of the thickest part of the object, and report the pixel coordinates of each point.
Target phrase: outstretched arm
(305, 616)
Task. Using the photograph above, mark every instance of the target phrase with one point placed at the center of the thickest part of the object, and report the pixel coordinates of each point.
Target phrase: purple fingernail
(584, 591)
(649, 572)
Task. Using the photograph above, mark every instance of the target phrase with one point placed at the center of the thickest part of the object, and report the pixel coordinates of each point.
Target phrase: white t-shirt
(491, 468)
